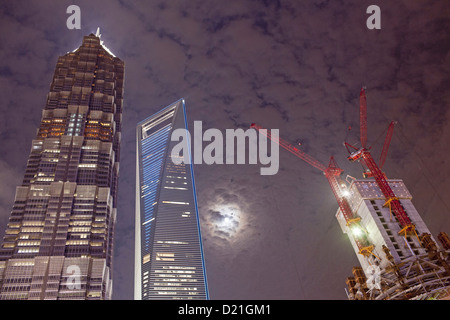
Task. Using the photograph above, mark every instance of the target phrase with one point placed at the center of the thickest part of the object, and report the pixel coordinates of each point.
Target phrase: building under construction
(398, 266)
(399, 257)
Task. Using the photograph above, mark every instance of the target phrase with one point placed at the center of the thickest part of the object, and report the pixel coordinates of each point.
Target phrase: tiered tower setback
(59, 239)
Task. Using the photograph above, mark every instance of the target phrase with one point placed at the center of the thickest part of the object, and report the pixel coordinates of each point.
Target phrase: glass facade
(59, 240)
(169, 260)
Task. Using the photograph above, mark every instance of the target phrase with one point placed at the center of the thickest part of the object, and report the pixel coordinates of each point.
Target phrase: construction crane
(373, 170)
(333, 174)
(367, 173)
(387, 142)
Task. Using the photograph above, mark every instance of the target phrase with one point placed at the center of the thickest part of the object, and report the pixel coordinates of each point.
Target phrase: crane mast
(363, 117)
(363, 154)
(387, 142)
(333, 174)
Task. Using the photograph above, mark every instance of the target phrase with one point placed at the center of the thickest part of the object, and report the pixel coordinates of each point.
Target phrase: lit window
(28, 243)
(175, 188)
(175, 202)
(77, 242)
(28, 250)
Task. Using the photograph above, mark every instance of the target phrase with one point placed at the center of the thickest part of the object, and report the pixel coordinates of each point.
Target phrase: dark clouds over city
(293, 65)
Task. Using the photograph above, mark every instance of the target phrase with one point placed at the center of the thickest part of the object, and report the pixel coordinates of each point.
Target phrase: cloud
(296, 66)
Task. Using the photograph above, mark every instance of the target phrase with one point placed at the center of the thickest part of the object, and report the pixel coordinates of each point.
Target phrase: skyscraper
(399, 257)
(59, 239)
(169, 260)
(401, 265)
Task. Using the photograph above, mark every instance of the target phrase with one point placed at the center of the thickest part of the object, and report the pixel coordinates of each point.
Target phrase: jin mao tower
(59, 239)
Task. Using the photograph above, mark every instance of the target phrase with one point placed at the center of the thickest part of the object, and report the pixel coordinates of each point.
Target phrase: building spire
(98, 35)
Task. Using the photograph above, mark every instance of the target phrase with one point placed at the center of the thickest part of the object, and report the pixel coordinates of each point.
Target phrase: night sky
(296, 66)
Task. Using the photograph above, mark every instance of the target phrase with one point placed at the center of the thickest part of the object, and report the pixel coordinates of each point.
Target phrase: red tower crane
(367, 173)
(363, 154)
(333, 174)
(387, 142)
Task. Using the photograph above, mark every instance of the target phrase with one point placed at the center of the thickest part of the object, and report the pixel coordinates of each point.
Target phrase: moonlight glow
(225, 220)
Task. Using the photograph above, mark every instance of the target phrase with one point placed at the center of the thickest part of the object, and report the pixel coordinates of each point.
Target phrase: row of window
(393, 239)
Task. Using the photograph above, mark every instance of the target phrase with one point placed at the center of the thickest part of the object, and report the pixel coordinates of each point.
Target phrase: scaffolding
(418, 277)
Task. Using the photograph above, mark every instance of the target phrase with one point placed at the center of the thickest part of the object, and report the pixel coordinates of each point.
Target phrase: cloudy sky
(293, 65)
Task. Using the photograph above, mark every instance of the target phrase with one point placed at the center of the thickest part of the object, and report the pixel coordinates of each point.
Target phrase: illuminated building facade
(401, 266)
(368, 201)
(59, 240)
(169, 260)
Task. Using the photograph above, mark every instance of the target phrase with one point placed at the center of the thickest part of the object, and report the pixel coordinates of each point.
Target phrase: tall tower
(404, 260)
(59, 239)
(169, 260)
(401, 266)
